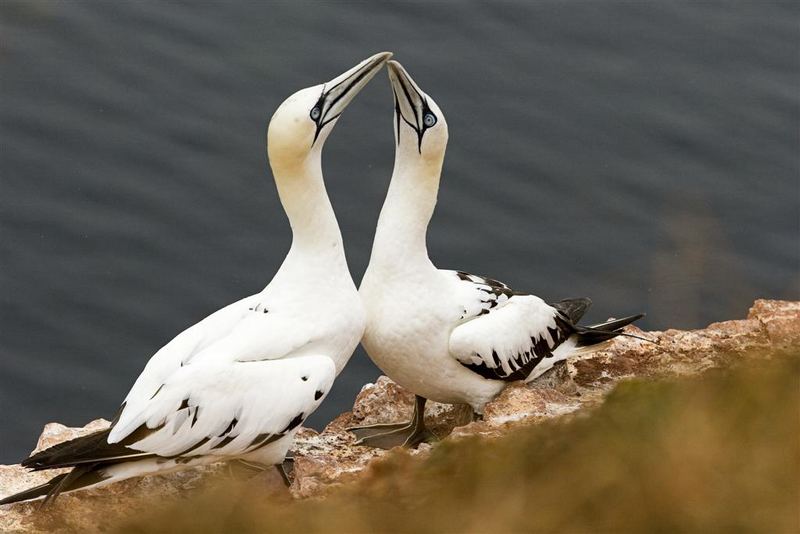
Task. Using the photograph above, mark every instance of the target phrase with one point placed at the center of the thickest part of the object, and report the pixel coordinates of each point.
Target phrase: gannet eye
(315, 113)
(429, 119)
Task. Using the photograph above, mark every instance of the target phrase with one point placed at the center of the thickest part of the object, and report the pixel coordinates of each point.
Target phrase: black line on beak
(353, 80)
(361, 75)
(397, 114)
(416, 127)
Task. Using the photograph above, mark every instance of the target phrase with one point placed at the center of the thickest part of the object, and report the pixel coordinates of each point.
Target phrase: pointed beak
(410, 103)
(409, 99)
(340, 91)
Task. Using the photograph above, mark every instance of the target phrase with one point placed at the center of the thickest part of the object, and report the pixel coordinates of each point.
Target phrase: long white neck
(400, 238)
(316, 238)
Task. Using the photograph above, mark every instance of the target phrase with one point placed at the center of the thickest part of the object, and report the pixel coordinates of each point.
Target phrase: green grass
(718, 453)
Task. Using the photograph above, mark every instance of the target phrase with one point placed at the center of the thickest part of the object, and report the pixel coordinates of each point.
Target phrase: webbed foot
(390, 435)
(286, 469)
(368, 431)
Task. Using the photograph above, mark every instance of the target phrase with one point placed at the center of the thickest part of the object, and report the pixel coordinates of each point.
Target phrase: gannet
(445, 335)
(238, 384)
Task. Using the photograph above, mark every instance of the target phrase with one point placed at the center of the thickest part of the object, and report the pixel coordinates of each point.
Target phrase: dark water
(645, 154)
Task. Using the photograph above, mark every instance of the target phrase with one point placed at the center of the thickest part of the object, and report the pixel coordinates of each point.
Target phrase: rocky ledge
(328, 459)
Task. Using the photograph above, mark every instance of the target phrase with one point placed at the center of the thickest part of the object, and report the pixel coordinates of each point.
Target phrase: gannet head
(303, 121)
(420, 127)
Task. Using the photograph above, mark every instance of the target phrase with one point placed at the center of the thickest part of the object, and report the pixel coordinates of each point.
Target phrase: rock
(781, 320)
(382, 402)
(518, 402)
(323, 461)
(326, 460)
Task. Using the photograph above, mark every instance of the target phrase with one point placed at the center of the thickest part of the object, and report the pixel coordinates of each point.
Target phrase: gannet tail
(90, 456)
(78, 478)
(84, 450)
(586, 336)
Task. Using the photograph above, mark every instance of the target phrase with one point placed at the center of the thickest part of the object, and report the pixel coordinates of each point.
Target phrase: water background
(641, 153)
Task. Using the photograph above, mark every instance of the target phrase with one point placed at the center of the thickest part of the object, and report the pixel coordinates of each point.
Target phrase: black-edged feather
(497, 373)
(91, 449)
(78, 478)
(34, 492)
(568, 313)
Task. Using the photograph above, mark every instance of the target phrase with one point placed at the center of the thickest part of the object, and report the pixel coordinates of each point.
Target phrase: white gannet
(447, 335)
(238, 384)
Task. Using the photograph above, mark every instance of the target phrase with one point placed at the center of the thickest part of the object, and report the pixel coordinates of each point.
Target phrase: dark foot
(284, 475)
(286, 470)
(242, 469)
(368, 431)
(387, 436)
(408, 435)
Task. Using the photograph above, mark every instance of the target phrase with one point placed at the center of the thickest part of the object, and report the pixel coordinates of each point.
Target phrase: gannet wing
(504, 335)
(228, 407)
(185, 345)
(253, 336)
(244, 330)
(220, 408)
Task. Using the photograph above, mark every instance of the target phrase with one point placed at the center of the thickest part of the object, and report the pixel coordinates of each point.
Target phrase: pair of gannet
(238, 384)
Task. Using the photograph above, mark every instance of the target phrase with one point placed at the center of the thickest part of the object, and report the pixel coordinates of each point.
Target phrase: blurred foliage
(716, 453)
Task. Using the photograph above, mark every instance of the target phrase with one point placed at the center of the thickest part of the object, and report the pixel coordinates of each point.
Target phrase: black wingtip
(84, 450)
(35, 492)
(79, 478)
(592, 335)
(616, 324)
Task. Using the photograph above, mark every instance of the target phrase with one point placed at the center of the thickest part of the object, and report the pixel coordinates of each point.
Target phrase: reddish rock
(382, 402)
(781, 319)
(323, 461)
(518, 402)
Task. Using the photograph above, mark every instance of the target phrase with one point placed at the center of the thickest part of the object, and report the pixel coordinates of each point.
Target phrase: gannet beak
(410, 103)
(340, 91)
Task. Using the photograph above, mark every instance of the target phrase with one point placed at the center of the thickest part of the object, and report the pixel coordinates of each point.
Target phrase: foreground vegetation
(713, 453)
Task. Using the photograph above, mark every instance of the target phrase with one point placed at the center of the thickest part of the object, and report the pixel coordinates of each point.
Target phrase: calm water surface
(644, 154)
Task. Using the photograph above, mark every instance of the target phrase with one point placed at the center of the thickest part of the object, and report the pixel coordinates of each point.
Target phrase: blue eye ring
(429, 119)
(315, 113)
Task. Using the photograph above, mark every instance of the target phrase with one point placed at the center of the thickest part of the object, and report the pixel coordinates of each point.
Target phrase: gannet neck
(400, 237)
(315, 230)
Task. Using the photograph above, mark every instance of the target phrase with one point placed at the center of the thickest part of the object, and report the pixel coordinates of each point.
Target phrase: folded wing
(228, 408)
(218, 408)
(511, 340)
